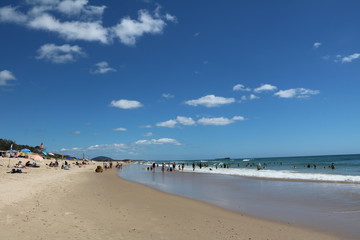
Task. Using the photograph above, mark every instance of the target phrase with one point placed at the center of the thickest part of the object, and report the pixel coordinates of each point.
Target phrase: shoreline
(314, 205)
(87, 205)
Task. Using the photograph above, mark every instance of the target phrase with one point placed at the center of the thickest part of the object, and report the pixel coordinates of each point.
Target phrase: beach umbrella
(25, 150)
(45, 153)
(23, 154)
(51, 154)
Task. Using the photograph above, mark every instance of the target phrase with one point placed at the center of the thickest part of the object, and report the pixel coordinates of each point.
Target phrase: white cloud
(168, 124)
(240, 87)
(296, 93)
(265, 87)
(76, 7)
(85, 21)
(220, 121)
(129, 30)
(10, 14)
(120, 129)
(160, 141)
(167, 95)
(210, 101)
(170, 17)
(188, 121)
(6, 76)
(148, 134)
(350, 58)
(126, 104)
(118, 147)
(103, 67)
(253, 97)
(71, 30)
(115, 146)
(75, 133)
(146, 126)
(317, 45)
(59, 54)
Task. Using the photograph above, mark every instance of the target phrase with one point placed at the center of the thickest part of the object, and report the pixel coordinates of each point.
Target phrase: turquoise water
(346, 167)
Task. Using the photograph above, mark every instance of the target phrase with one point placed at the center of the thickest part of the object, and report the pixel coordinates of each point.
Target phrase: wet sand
(328, 207)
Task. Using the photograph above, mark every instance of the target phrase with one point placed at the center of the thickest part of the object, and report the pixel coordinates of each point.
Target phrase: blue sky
(181, 79)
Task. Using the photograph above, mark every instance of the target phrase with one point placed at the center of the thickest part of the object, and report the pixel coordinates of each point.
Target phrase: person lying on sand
(16, 171)
(28, 164)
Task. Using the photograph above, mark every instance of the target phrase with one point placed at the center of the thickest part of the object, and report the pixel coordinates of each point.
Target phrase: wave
(246, 160)
(281, 175)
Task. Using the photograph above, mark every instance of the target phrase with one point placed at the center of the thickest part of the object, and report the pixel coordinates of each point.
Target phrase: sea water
(329, 199)
(312, 168)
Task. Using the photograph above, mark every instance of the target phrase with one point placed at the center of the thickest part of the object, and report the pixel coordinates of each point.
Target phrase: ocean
(287, 189)
(311, 168)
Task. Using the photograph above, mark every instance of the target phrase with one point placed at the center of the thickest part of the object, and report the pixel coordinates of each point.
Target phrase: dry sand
(47, 203)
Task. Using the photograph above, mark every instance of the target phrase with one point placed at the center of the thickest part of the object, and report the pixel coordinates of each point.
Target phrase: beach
(81, 204)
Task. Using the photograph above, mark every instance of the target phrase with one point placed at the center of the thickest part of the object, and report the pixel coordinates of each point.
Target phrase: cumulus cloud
(253, 97)
(296, 93)
(148, 134)
(84, 21)
(59, 54)
(129, 30)
(170, 17)
(220, 121)
(316, 45)
(103, 67)
(71, 30)
(210, 101)
(120, 129)
(167, 95)
(168, 124)
(240, 87)
(265, 87)
(187, 121)
(126, 104)
(76, 7)
(180, 120)
(10, 14)
(115, 147)
(349, 58)
(161, 141)
(6, 76)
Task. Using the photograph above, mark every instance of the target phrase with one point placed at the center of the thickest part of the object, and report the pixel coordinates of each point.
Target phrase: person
(258, 166)
(99, 169)
(19, 165)
(193, 165)
(332, 166)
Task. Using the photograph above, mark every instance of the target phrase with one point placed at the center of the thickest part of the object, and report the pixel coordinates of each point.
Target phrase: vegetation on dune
(5, 144)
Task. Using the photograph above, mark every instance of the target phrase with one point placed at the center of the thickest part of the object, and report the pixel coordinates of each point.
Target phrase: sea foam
(278, 174)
